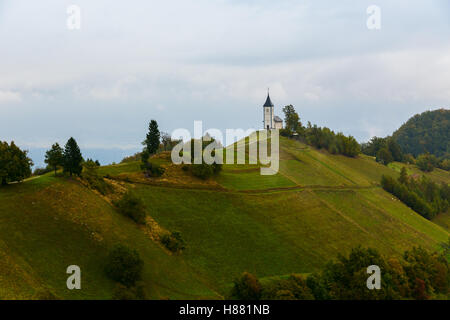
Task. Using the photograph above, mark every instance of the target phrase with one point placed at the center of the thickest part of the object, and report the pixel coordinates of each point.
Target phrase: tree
(55, 157)
(291, 118)
(14, 163)
(167, 142)
(124, 265)
(72, 158)
(395, 150)
(247, 287)
(153, 138)
(403, 179)
(426, 162)
(131, 206)
(372, 147)
(384, 156)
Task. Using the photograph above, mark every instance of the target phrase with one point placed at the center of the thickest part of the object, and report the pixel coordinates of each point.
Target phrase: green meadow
(317, 206)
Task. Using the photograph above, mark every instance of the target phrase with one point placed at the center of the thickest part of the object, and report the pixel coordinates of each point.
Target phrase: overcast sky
(179, 60)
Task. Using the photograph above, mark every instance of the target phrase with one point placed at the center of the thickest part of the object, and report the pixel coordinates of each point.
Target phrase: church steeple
(268, 101)
(268, 113)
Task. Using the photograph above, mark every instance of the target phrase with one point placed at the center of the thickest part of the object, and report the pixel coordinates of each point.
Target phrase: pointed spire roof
(268, 102)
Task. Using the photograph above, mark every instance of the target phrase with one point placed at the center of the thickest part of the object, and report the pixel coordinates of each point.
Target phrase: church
(270, 120)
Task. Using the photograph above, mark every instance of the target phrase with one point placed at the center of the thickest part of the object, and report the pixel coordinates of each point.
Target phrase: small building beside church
(270, 120)
(278, 123)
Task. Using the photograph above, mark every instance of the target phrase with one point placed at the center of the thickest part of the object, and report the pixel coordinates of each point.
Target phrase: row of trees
(423, 196)
(387, 150)
(427, 162)
(70, 158)
(317, 136)
(419, 274)
(15, 165)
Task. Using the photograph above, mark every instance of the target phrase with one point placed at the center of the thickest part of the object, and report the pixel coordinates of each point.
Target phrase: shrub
(384, 156)
(136, 292)
(173, 241)
(426, 162)
(91, 176)
(247, 287)
(202, 171)
(444, 164)
(131, 206)
(293, 288)
(124, 265)
(285, 133)
(284, 295)
(409, 159)
(152, 169)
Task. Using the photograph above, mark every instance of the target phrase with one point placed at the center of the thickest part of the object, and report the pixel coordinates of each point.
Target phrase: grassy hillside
(49, 223)
(317, 206)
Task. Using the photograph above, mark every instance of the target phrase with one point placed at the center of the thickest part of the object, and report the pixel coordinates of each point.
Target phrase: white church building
(271, 121)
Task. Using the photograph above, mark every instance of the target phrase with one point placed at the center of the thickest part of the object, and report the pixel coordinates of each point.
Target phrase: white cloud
(7, 96)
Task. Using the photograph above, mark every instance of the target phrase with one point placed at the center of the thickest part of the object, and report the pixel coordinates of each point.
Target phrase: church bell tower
(268, 114)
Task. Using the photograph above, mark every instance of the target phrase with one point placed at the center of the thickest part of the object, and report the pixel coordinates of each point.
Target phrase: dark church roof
(277, 119)
(268, 102)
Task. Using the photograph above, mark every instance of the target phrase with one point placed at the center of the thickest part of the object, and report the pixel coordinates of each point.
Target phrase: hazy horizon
(213, 60)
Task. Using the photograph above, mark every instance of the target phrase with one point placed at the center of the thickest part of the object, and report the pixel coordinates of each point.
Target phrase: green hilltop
(318, 206)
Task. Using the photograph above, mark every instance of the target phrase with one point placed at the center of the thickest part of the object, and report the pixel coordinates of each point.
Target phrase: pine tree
(153, 138)
(72, 157)
(55, 157)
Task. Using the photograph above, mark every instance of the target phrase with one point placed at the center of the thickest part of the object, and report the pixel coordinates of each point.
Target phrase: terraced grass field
(317, 206)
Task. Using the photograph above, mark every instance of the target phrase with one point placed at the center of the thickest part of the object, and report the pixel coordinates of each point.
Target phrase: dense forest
(428, 132)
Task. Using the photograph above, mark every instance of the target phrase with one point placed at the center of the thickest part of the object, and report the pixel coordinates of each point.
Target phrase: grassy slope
(48, 224)
(317, 206)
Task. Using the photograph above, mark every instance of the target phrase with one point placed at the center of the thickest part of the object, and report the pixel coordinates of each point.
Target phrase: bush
(152, 169)
(247, 287)
(202, 171)
(137, 292)
(131, 206)
(293, 288)
(91, 176)
(285, 133)
(409, 159)
(205, 171)
(427, 162)
(124, 265)
(444, 164)
(384, 156)
(173, 241)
